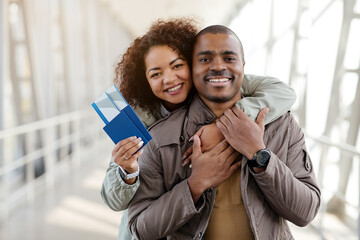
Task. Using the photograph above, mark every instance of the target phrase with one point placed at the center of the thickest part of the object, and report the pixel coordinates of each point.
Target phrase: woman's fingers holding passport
(121, 144)
(125, 149)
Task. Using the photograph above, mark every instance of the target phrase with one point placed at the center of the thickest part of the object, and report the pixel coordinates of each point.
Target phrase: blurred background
(58, 56)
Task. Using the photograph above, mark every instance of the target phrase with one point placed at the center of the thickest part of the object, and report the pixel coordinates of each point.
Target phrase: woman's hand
(210, 136)
(125, 155)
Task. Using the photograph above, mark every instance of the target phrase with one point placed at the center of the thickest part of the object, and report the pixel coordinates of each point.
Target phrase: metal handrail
(44, 123)
(327, 141)
(70, 137)
(32, 156)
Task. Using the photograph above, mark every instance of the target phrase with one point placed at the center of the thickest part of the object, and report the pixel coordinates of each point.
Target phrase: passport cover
(126, 123)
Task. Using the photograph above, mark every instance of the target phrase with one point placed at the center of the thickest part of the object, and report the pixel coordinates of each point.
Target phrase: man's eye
(204, 59)
(230, 59)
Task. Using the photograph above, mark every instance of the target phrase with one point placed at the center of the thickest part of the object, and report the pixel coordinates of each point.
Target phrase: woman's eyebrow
(175, 60)
(152, 69)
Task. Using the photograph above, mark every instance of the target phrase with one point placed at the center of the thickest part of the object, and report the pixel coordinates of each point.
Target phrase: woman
(154, 76)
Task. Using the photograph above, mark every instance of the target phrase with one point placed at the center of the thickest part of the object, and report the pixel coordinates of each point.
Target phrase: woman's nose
(169, 77)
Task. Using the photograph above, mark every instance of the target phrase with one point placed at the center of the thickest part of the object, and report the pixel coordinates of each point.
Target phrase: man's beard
(218, 99)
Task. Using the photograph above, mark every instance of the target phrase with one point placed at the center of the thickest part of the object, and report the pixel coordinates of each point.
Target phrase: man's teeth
(174, 88)
(219, 80)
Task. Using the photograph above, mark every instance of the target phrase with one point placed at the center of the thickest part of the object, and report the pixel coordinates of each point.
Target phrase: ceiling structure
(137, 15)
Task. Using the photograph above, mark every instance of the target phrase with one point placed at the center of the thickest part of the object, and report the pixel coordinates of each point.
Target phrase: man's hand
(210, 136)
(211, 168)
(241, 132)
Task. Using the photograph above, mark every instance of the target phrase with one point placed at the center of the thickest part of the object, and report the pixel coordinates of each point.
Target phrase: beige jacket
(163, 205)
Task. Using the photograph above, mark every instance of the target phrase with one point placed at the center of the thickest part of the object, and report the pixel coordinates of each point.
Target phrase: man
(244, 187)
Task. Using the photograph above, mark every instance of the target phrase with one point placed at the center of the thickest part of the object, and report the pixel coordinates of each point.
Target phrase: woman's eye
(155, 75)
(178, 66)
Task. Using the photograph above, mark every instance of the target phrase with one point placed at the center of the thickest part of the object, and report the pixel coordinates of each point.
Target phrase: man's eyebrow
(208, 52)
(176, 60)
(226, 52)
(229, 52)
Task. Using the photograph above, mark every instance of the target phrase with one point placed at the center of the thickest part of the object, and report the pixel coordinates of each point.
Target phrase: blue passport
(120, 119)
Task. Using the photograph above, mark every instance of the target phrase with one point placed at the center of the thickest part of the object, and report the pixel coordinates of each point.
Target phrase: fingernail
(141, 143)
(190, 166)
(133, 138)
(141, 151)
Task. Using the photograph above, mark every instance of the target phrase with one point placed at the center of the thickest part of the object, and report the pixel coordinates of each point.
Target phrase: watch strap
(126, 175)
(254, 163)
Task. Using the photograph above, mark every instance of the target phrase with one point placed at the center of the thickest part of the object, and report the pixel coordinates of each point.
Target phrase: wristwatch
(260, 159)
(125, 175)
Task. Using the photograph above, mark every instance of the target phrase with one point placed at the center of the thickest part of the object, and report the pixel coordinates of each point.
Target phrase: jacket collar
(178, 126)
(198, 116)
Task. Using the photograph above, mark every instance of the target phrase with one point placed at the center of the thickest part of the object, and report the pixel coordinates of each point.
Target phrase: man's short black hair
(215, 29)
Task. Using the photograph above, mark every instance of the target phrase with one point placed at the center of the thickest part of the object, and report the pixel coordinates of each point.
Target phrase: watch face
(263, 157)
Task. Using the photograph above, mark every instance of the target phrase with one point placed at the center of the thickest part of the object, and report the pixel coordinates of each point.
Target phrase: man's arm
(289, 189)
(265, 92)
(156, 211)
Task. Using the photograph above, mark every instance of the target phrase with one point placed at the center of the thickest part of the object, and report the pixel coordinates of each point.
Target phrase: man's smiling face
(218, 67)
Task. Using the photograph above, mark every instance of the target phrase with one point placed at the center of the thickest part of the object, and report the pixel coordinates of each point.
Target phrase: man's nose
(217, 64)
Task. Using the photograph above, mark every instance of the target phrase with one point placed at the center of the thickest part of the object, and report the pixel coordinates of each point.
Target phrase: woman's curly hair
(130, 78)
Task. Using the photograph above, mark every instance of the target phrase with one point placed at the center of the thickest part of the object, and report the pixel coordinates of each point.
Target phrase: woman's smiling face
(168, 75)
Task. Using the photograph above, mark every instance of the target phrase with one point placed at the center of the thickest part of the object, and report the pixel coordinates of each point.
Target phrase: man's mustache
(219, 74)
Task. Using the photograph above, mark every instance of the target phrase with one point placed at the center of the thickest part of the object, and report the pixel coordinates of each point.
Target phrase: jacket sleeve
(289, 186)
(260, 92)
(114, 191)
(155, 212)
